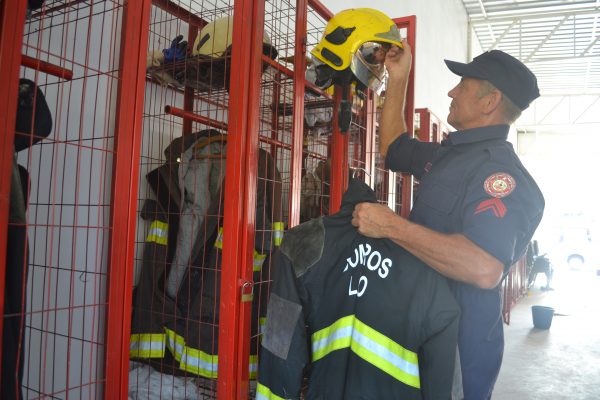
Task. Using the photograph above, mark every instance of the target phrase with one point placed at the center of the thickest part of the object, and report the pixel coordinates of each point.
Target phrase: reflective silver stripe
(342, 333)
(386, 354)
(202, 367)
(158, 232)
(147, 346)
(175, 343)
(370, 345)
(277, 232)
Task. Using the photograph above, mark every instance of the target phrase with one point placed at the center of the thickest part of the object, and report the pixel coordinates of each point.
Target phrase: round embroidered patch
(499, 184)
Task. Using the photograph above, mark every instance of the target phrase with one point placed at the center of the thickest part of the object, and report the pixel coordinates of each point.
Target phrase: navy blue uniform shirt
(474, 184)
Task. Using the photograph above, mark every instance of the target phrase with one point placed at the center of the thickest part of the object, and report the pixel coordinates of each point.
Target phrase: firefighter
(477, 206)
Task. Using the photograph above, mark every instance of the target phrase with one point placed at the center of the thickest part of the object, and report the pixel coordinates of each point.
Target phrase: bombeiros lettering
(373, 260)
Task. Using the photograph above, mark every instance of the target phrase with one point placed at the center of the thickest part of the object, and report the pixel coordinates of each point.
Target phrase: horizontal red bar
(46, 67)
(178, 112)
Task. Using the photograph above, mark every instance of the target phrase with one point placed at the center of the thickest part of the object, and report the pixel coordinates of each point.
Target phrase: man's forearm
(392, 123)
(452, 255)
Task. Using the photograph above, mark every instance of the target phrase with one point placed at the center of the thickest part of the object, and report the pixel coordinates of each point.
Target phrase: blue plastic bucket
(542, 316)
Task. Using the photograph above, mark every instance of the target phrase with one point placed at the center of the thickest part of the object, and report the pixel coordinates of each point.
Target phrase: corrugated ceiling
(557, 39)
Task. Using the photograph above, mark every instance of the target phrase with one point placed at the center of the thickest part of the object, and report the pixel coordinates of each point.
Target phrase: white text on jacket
(365, 256)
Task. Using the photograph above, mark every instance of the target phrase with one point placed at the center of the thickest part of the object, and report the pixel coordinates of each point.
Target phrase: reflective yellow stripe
(370, 345)
(219, 239)
(175, 344)
(197, 361)
(264, 393)
(147, 345)
(277, 232)
(253, 366)
(258, 261)
(262, 321)
(159, 233)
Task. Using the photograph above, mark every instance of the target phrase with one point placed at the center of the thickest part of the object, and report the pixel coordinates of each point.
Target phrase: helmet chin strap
(344, 79)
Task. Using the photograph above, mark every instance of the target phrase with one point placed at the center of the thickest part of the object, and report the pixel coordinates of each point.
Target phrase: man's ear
(493, 101)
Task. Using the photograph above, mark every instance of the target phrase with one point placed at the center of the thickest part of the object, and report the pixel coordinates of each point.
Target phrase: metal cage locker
(84, 59)
(115, 110)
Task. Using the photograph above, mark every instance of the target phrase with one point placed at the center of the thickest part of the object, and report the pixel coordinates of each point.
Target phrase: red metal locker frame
(12, 21)
(339, 157)
(128, 135)
(410, 23)
(369, 145)
(240, 200)
(427, 122)
(298, 112)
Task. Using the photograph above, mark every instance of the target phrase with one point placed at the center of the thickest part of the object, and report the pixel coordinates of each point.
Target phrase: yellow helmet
(350, 41)
(215, 38)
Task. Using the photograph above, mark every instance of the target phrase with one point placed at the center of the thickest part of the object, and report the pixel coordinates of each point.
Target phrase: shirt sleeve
(501, 210)
(284, 352)
(410, 155)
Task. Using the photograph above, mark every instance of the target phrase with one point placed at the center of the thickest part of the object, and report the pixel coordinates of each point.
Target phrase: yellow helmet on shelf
(351, 40)
(215, 38)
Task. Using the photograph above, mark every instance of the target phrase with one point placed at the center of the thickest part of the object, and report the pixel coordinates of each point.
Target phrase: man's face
(465, 108)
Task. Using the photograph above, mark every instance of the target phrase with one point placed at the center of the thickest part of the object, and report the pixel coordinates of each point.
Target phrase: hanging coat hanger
(205, 142)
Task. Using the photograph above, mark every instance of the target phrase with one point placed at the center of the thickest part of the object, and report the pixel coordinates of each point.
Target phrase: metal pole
(12, 20)
(128, 134)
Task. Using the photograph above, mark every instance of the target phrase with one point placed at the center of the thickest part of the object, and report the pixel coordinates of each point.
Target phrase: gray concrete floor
(562, 362)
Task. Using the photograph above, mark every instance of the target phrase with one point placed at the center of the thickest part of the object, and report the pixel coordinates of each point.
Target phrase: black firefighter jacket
(366, 318)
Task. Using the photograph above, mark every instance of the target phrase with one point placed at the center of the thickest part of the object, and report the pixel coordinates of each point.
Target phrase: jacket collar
(358, 192)
(475, 135)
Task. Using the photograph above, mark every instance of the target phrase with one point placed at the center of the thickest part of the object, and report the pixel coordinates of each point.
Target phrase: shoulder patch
(499, 184)
(303, 245)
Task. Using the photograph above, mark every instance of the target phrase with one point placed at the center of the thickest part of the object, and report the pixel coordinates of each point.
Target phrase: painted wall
(441, 34)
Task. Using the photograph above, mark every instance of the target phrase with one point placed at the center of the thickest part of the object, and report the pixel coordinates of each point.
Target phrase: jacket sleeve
(439, 349)
(410, 155)
(284, 352)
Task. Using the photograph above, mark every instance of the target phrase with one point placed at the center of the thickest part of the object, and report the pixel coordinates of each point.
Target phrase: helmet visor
(368, 65)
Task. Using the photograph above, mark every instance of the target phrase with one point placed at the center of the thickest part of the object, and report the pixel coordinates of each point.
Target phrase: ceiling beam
(493, 46)
(535, 15)
(555, 59)
(548, 37)
(587, 49)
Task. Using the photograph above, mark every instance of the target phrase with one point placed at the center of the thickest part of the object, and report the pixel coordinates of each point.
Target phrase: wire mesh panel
(66, 156)
(173, 343)
(178, 315)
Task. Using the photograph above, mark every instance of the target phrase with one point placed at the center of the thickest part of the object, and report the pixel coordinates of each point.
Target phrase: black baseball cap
(505, 72)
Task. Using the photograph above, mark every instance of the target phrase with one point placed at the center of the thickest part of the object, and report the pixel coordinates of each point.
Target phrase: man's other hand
(398, 61)
(373, 220)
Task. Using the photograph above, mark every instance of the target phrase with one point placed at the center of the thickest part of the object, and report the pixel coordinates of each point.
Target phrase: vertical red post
(339, 156)
(128, 133)
(12, 20)
(276, 93)
(240, 200)
(188, 92)
(425, 134)
(410, 23)
(298, 113)
(370, 131)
